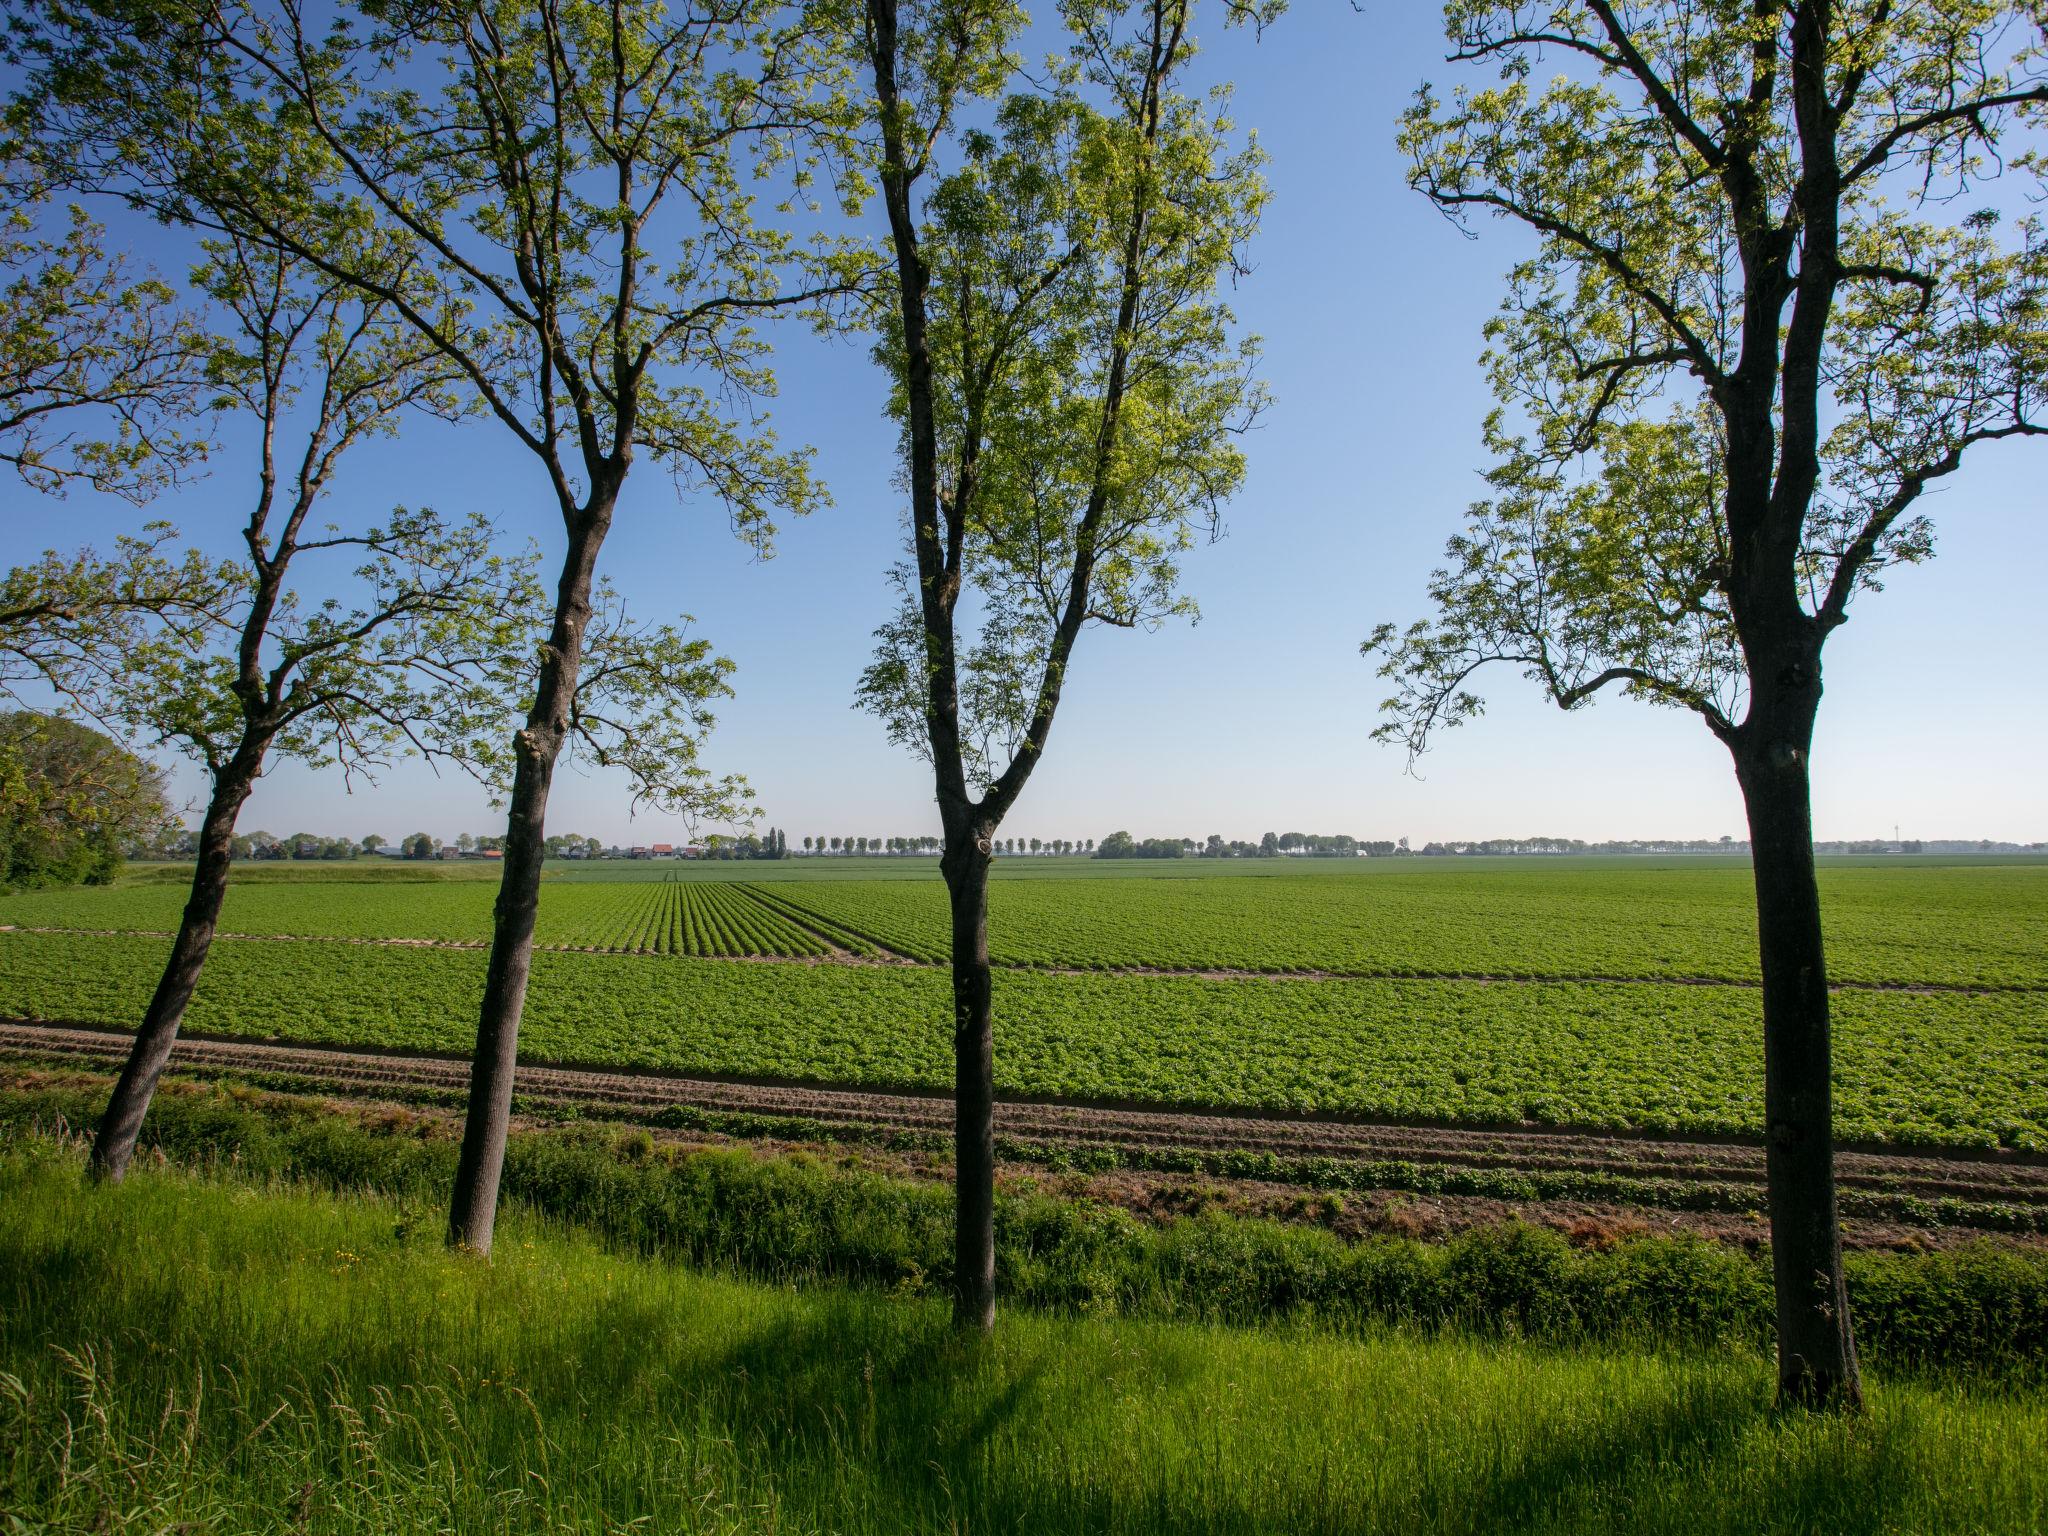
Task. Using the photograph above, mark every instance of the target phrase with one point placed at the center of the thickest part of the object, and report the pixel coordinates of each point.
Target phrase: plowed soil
(1669, 1175)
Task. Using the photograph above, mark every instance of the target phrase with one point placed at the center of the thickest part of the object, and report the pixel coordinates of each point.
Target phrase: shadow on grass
(860, 1414)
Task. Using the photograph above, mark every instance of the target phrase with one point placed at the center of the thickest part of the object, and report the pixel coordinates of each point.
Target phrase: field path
(1885, 1194)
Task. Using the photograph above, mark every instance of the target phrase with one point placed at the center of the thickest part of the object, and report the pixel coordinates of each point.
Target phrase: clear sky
(1257, 718)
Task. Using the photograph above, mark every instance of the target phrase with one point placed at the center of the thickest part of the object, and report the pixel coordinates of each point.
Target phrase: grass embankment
(799, 1219)
(185, 1354)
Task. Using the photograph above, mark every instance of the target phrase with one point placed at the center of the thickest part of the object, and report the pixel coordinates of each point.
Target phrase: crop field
(1557, 993)
(663, 917)
(1912, 1068)
(674, 917)
(1977, 926)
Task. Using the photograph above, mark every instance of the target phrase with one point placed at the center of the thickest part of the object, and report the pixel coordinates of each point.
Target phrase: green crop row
(1913, 1068)
(1982, 927)
(837, 933)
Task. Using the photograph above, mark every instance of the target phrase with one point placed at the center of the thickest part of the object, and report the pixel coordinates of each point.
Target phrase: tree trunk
(121, 1125)
(473, 1211)
(1816, 1349)
(966, 866)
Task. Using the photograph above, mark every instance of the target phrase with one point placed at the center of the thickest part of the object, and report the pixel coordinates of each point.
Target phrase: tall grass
(177, 1350)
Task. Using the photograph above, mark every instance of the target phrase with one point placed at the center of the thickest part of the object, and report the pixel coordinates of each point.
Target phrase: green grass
(796, 1218)
(176, 1351)
(1911, 1068)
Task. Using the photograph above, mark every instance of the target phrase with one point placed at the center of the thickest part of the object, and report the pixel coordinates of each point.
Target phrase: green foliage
(566, 228)
(643, 704)
(792, 1218)
(1071, 411)
(86, 343)
(1770, 305)
(488, 211)
(72, 622)
(72, 803)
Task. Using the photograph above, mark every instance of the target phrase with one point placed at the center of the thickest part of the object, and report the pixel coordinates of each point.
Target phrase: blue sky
(1257, 718)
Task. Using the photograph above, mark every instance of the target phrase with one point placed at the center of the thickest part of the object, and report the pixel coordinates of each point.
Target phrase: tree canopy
(103, 374)
(1773, 301)
(1088, 385)
(73, 802)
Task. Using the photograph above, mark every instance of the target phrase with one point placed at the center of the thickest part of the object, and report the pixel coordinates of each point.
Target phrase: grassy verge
(187, 1354)
(797, 1218)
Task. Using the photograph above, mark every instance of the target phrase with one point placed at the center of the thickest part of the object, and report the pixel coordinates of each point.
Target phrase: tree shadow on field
(57, 1289)
(1578, 1481)
(894, 1423)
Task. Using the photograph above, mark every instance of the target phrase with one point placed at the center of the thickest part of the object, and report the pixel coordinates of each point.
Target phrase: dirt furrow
(1148, 1135)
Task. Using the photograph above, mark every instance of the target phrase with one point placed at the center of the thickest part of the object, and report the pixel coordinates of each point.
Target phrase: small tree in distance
(1768, 309)
(72, 802)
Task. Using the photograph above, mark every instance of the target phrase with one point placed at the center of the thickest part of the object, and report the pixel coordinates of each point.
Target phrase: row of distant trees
(774, 845)
(932, 845)
(262, 845)
(1121, 845)
(152, 841)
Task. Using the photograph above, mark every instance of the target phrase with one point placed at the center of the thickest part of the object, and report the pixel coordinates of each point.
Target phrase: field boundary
(1355, 1178)
(17, 1032)
(896, 959)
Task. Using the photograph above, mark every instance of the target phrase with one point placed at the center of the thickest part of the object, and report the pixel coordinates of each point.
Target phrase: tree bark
(121, 1124)
(1816, 1348)
(473, 1210)
(966, 866)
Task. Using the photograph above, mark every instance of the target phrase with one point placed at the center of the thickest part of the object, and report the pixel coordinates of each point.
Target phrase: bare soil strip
(891, 958)
(1667, 1170)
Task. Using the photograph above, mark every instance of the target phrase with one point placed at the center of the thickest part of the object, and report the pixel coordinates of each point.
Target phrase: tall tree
(1068, 391)
(572, 199)
(1768, 308)
(417, 663)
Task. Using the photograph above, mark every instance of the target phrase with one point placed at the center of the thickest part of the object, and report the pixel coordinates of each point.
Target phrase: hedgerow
(795, 1218)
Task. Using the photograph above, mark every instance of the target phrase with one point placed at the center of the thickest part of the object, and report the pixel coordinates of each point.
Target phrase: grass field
(1928, 1067)
(176, 1354)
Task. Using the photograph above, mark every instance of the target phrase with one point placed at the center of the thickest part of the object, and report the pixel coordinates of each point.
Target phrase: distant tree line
(1044, 846)
(1315, 845)
(773, 846)
(163, 839)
